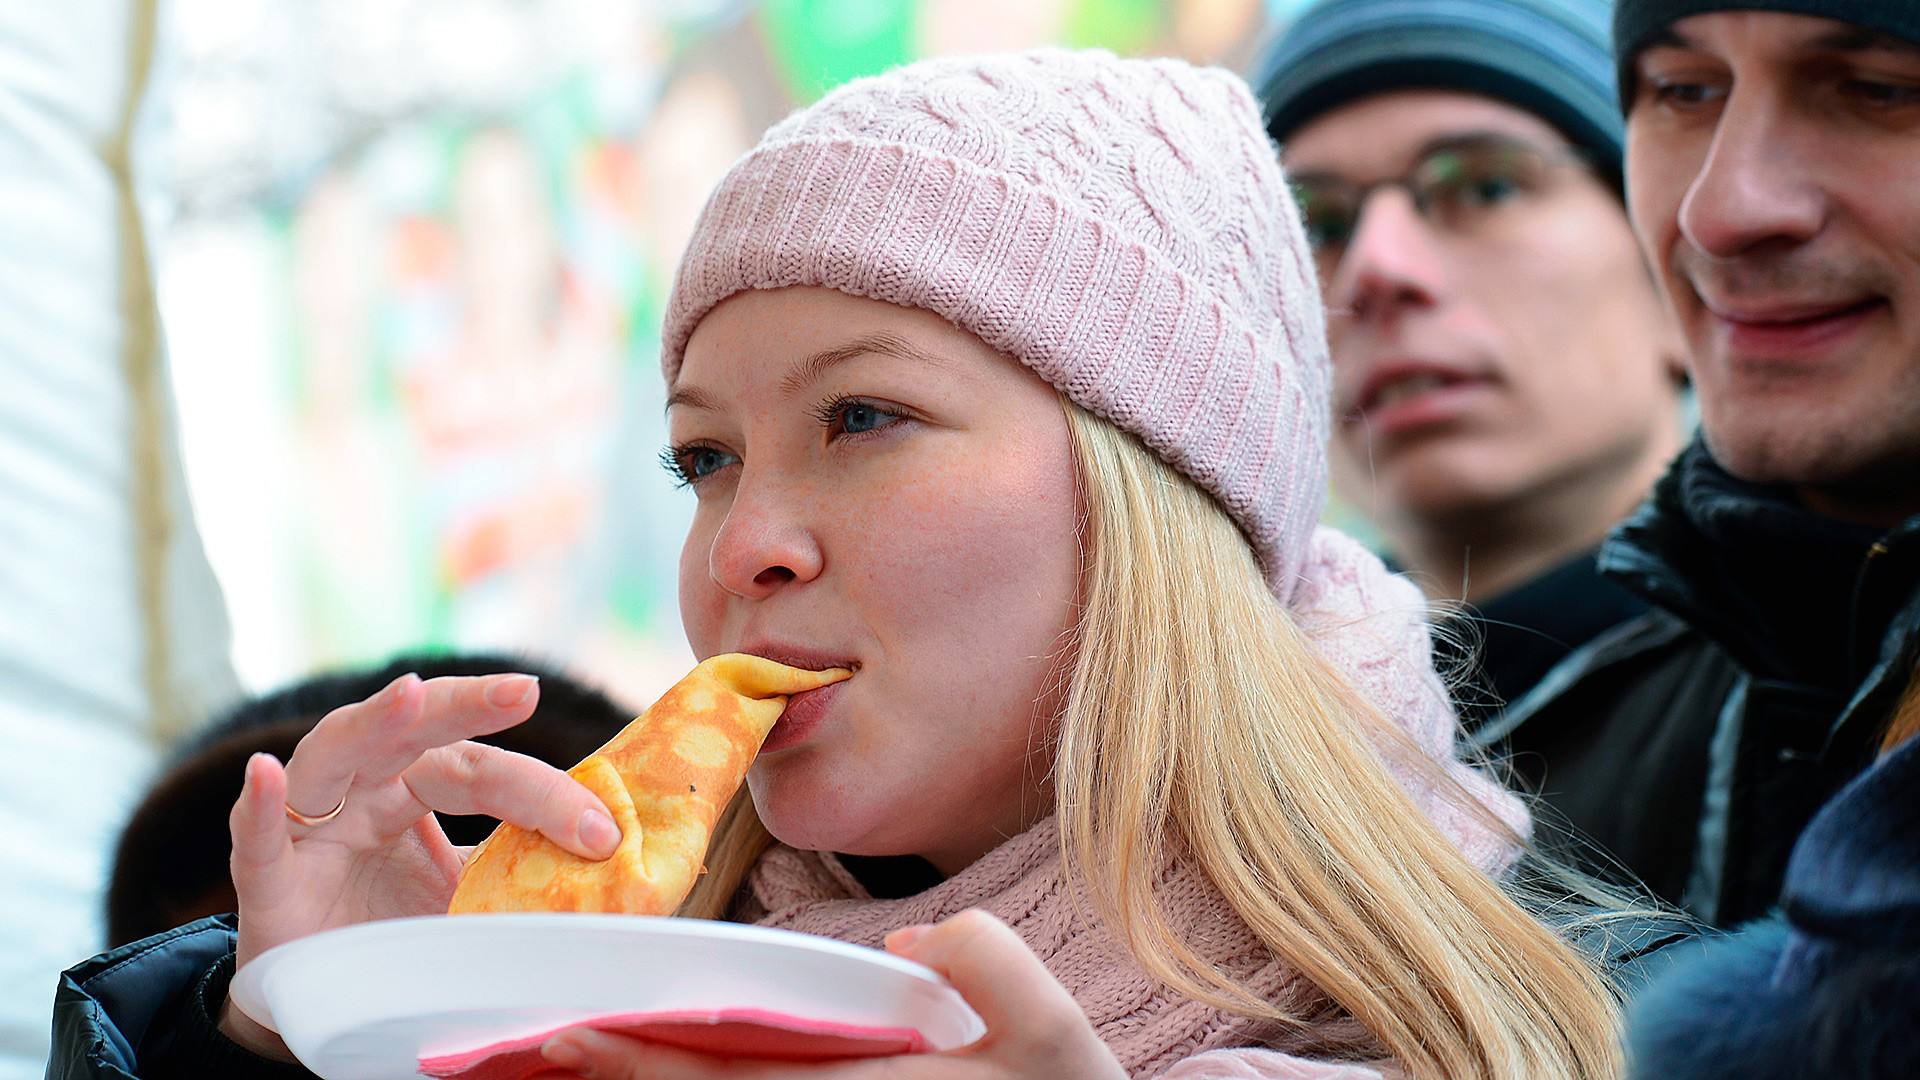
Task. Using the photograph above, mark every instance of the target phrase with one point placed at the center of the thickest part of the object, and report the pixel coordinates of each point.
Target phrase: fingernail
(396, 689)
(598, 832)
(510, 691)
(901, 940)
(558, 1051)
(252, 774)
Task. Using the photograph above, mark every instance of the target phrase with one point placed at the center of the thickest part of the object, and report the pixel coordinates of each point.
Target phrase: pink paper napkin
(727, 1033)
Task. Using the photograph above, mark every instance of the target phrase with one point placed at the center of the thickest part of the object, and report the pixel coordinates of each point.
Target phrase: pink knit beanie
(1121, 227)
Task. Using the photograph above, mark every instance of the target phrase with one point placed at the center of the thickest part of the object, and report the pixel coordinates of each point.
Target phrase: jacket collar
(1525, 631)
(1793, 596)
(1854, 875)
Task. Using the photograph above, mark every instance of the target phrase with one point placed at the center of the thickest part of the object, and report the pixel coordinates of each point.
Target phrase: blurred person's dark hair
(171, 864)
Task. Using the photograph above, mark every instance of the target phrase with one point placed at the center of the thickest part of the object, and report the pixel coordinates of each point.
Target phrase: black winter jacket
(147, 1010)
(1694, 743)
(1831, 987)
(1495, 651)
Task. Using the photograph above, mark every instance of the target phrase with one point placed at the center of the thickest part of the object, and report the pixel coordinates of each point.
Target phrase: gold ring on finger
(322, 819)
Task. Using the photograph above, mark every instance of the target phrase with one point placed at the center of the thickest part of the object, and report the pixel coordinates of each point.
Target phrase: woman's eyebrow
(693, 398)
(809, 371)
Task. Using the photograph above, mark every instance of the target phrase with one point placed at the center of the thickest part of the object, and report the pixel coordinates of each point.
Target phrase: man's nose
(1390, 265)
(1756, 185)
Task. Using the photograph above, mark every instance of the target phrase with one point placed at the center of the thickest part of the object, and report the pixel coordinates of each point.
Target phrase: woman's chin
(802, 812)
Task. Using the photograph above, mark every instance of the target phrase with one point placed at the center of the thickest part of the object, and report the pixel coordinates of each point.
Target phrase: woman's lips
(803, 714)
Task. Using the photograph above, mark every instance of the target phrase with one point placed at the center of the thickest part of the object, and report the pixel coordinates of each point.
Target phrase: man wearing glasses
(1507, 382)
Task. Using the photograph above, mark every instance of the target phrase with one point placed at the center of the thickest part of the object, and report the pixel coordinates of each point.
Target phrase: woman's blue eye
(856, 418)
(705, 459)
(694, 462)
(852, 416)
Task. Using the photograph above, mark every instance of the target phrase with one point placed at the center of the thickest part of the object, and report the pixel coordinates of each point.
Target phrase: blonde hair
(1221, 736)
(1904, 724)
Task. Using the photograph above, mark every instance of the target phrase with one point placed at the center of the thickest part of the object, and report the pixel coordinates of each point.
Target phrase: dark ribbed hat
(1636, 22)
(1550, 57)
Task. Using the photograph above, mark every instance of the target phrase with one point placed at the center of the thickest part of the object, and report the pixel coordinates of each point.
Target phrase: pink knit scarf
(1148, 1026)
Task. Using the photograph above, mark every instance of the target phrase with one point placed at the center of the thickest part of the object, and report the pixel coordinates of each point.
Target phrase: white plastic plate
(366, 1002)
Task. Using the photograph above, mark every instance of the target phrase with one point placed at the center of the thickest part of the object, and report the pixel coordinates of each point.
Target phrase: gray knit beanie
(1637, 22)
(1549, 57)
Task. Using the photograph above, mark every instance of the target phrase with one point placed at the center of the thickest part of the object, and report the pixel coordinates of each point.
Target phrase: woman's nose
(764, 542)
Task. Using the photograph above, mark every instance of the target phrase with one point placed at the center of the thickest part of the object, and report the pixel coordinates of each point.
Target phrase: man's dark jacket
(1694, 743)
(1830, 987)
(1497, 650)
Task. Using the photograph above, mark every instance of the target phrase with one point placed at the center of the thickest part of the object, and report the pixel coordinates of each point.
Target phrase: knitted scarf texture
(1148, 1026)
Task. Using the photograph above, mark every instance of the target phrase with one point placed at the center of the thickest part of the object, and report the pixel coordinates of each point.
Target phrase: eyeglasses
(1459, 187)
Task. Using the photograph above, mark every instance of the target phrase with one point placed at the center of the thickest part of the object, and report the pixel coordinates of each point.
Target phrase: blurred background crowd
(448, 226)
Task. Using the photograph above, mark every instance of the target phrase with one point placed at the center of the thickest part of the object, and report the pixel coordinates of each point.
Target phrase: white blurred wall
(112, 634)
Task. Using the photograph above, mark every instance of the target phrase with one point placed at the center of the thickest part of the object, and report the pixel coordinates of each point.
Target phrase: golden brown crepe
(666, 777)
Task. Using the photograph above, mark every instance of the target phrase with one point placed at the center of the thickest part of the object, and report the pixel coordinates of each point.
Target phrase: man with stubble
(1773, 166)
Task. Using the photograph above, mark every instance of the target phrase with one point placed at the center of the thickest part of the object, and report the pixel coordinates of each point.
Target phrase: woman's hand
(1034, 1027)
(386, 762)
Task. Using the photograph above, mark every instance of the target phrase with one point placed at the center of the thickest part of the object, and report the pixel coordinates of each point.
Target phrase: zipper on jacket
(1878, 549)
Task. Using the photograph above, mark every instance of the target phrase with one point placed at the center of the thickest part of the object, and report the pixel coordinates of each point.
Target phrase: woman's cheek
(702, 604)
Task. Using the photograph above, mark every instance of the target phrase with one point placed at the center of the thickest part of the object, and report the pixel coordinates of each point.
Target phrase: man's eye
(1476, 191)
(1326, 219)
(694, 462)
(1686, 95)
(1454, 187)
(1881, 95)
(1327, 229)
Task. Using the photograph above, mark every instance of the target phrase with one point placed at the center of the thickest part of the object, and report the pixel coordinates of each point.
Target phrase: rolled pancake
(665, 777)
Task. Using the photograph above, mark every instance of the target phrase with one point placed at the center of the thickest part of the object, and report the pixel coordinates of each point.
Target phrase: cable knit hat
(1121, 227)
